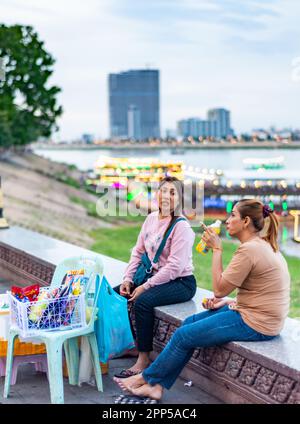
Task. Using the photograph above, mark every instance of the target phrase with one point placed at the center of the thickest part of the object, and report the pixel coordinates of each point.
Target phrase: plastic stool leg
(72, 359)
(41, 364)
(2, 366)
(14, 370)
(14, 373)
(38, 366)
(54, 354)
(95, 358)
(68, 363)
(9, 362)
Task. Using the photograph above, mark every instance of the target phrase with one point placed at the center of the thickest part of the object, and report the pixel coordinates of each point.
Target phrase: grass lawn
(118, 242)
(110, 217)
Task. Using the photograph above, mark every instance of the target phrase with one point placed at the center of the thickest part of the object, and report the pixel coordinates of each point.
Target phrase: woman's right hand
(125, 288)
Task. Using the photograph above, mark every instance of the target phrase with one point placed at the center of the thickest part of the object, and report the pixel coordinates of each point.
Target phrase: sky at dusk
(244, 56)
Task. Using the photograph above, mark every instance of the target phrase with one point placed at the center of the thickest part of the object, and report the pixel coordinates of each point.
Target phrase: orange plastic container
(22, 348)
(104, 367)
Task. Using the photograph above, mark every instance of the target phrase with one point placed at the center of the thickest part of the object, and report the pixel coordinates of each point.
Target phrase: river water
(228, 160)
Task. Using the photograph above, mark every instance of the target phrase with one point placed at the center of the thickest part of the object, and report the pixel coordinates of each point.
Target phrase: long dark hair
(178, 211)
(255, 210)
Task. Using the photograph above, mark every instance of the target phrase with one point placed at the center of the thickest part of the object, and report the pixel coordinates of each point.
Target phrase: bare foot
(121, 385)
(131, 382)
(153, 392)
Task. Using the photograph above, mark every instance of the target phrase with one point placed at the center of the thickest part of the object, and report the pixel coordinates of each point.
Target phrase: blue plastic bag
(112, 327)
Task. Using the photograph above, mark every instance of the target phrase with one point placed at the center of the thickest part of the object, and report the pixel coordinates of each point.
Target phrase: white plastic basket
(63, 313)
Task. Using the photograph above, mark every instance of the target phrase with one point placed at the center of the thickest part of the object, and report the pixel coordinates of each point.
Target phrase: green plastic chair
(56, 340)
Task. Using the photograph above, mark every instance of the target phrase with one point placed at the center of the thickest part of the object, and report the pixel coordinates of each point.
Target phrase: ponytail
(261, 215)
(272, 232)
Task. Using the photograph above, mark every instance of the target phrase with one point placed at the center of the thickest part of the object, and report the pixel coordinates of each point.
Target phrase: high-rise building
(183, 128)
(196, 127)
(222, 118)
(134, 104)
(216, 125)
(188, 127)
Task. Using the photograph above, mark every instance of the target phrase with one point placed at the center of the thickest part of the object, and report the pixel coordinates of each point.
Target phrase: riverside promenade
(112, 145)
(238, 372)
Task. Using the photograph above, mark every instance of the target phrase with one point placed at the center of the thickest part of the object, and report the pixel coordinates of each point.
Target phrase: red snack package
(17, 292)
(27, 294)
(31, 292)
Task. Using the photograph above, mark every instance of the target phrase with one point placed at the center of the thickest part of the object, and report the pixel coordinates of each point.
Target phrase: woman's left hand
(211, 239)
(136, 293)
(217, 303)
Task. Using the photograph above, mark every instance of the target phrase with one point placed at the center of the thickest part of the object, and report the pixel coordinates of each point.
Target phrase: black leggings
(179, 290)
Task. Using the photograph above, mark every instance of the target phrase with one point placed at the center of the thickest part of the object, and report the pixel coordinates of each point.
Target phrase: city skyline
(242, 55)
(217, 125)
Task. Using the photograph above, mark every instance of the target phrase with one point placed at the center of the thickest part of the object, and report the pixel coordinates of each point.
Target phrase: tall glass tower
(222, 118)
(134, 104)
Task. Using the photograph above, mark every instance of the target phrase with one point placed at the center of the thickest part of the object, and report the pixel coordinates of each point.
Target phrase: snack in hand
(204, 301)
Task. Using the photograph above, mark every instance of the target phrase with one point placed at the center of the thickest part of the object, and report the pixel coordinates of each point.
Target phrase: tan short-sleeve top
(263, 281)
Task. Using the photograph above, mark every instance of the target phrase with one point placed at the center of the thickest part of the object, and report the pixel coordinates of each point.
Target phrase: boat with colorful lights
(117, 172)
(264, 163)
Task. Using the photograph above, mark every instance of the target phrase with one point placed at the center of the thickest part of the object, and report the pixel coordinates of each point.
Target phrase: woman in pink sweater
(172, 280)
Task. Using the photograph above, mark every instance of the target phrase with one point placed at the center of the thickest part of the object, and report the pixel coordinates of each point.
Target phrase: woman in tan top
(259, 273)
(258, 270)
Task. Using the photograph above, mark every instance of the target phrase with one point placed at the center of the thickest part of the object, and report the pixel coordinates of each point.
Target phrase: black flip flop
(133, 399)
(127, 373)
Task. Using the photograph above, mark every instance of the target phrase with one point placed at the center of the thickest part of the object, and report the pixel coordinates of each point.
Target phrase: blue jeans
(179, 290)
(208, 328)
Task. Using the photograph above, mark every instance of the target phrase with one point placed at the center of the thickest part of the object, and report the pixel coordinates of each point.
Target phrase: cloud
(210, 52)
(248, 8)
(159, 12)
(285, 44)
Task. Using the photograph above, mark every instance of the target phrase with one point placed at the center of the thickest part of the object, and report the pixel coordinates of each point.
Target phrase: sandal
(125, 373)
(135, 399)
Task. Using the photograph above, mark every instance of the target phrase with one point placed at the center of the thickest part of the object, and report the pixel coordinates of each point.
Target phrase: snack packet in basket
(37, 310)
(55, 307)
(26, 294)
(73, 283)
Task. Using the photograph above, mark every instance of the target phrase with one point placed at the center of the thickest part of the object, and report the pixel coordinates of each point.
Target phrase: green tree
(28, 104)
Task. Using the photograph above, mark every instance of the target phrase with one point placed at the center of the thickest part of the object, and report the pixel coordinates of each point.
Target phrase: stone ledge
(26, 254)
(238, 372)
